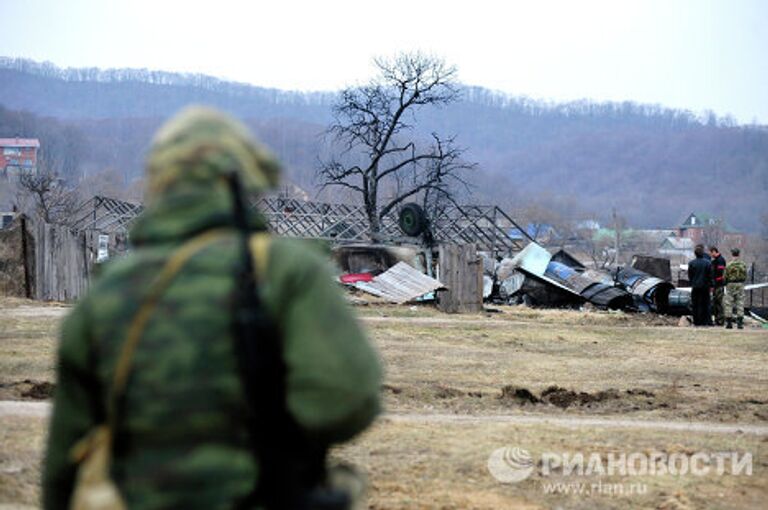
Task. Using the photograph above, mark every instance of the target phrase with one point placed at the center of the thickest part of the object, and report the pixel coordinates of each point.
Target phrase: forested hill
(654, 165)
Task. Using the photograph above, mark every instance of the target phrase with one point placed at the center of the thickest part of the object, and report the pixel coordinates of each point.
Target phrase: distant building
(680, 247)
(706, 229)
(18, 155)
(541, 232)
(588, 225)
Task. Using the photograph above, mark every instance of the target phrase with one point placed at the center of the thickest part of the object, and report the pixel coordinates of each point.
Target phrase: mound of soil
(28, 389)
(563, 398)
(519, 396)
(442, 392)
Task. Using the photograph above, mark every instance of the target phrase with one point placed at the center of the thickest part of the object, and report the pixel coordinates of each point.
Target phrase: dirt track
(43, 409)
(580, 422)
(15, 408)
(37, 311)
(487, 322)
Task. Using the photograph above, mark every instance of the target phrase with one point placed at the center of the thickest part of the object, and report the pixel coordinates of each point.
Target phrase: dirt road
(42, 410)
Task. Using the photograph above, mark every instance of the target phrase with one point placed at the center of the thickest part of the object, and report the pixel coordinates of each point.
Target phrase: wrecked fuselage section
(536, 277)
(651, 294)
(554, 283)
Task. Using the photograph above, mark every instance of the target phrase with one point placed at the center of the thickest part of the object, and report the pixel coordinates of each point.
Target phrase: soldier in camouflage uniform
(735, 276)
(181, 440)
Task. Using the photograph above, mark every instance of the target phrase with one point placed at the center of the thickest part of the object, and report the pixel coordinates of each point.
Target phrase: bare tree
(599, 249)
(52, 200)
(384, 161)
(712, 234)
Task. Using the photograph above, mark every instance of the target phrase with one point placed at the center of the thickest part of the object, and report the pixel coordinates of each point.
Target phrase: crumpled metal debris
(536, 262)
(400, 283)
(650, 293)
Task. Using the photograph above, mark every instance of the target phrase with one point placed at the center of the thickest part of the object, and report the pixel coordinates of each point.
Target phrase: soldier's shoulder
(295, 262)
(121, 268)
(286, 251)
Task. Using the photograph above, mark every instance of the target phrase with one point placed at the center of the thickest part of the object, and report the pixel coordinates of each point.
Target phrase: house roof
(678, 243)
(20, 142)
(654, 235)
(704, 219)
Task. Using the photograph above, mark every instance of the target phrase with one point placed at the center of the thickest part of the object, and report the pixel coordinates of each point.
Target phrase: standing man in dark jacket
(700, 276)
(718, 287)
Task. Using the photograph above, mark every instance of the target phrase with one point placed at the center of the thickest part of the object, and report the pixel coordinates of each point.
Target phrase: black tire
(412, 219)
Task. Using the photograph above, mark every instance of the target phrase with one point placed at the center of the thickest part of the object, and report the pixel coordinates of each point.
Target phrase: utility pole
(616, 237)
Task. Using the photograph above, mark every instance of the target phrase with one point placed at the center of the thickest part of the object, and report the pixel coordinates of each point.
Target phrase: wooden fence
(42, 261)
(16, 260)
(62, 268)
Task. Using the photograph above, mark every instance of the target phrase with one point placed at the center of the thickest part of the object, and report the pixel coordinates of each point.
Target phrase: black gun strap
(288, 467)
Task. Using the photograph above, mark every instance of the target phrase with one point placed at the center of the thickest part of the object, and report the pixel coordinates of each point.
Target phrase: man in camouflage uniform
(181, 440)
(735, 276)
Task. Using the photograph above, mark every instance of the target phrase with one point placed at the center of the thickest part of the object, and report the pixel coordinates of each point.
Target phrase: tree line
(581, 158)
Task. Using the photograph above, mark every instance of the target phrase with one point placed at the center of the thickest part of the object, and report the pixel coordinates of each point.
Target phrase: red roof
(19, 142)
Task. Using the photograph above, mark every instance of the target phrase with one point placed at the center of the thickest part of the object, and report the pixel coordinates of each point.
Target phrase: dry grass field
(459, 387)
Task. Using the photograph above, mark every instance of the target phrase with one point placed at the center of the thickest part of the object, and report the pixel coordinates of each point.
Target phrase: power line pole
(617, 235)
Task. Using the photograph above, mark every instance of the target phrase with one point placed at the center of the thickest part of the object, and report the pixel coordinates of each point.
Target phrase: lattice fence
(487, 226)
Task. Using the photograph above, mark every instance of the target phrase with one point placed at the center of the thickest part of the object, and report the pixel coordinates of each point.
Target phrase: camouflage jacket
(736, 271)
(181, 439)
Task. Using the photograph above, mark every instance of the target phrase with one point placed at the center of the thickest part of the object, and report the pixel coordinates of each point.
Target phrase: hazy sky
(693, 54)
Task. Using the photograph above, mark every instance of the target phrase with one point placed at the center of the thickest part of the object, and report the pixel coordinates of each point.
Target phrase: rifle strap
(259, 244)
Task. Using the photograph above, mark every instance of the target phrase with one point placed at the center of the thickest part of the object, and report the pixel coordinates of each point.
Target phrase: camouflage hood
(189, 163)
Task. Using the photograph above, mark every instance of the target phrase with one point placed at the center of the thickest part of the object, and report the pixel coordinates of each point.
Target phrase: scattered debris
(532, 277)
(535, 277)
(351, 278)
(574, 285)
(487, 286)
(511, 284)
(654, 266)
(375, 258)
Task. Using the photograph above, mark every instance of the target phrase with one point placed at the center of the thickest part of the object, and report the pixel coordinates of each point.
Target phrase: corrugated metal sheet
(532, 259)
(400, 283)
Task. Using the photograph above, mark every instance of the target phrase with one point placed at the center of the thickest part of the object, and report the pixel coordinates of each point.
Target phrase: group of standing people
(711, 277)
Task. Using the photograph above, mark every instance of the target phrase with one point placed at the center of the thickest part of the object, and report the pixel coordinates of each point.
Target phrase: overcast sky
(692, 54)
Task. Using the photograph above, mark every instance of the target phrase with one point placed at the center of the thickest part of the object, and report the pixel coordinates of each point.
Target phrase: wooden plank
(461, 271)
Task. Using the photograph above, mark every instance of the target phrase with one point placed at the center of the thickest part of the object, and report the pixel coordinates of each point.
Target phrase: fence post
(25, 258)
